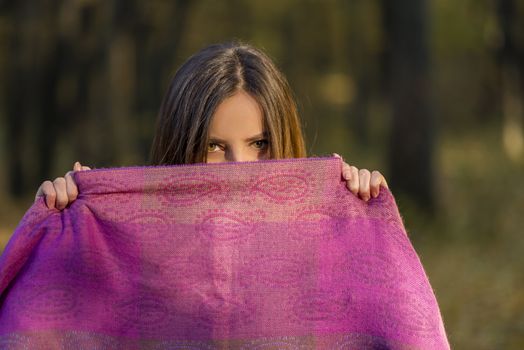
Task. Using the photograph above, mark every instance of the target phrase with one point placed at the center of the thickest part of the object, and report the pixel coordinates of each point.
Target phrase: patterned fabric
(274, 254)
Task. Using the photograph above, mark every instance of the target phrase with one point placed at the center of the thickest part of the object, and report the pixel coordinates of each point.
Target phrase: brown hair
(203, 82)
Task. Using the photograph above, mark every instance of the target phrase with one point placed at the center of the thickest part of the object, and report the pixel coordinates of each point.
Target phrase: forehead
(238, 116)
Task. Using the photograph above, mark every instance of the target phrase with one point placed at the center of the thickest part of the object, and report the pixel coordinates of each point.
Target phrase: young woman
(228, 102)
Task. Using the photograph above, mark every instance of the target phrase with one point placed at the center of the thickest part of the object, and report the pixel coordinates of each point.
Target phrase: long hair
(203, 82)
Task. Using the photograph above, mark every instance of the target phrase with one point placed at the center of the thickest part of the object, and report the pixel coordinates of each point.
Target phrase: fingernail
(347, 175)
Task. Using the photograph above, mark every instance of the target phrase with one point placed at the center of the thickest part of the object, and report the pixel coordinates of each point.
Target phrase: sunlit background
(431, 93)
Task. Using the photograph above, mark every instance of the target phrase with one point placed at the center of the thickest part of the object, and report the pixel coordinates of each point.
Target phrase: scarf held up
(274, 254)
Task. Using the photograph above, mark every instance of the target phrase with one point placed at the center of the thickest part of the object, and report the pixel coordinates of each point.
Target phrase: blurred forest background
(431, 93)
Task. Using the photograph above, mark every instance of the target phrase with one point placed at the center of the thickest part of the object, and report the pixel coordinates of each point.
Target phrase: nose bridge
(236, 153)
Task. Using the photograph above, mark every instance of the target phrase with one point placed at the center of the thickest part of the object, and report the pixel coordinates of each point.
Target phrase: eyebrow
(249, 139)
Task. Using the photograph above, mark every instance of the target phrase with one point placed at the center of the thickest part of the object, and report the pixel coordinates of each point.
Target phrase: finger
(346, 171)
(353, 184)
(61, 193)
(48, 191)
(39, 192)
(384, 183)
(364, 178)
(374, 184)
(336, 155)
(78, 167)
(71, 188)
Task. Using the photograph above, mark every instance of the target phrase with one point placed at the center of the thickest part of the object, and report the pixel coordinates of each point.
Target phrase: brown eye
(261, 144)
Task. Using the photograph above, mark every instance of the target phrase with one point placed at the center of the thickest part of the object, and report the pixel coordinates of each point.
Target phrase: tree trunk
(413, 128)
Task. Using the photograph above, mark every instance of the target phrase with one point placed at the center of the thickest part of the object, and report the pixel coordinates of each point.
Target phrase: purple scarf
(274, 254)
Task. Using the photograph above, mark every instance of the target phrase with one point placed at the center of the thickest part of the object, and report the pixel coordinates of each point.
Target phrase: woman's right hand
(62, 191)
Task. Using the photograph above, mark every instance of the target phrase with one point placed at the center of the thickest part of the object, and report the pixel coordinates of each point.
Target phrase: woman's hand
(362, 182)
(62, 191)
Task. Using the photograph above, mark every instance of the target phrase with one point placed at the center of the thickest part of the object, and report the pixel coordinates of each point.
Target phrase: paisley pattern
(262, 255)
(224, 225)
(144, 314)
(184, 273)
(318, 222)
(92, 265)
(225, 310)
(275, 271)
(176, 190)
(48, 302)
(317, 305)
(144, 226)
(368, 268)
(283, 187)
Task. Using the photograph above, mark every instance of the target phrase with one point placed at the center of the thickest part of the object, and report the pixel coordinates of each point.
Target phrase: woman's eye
(261, 144)
(212, 147)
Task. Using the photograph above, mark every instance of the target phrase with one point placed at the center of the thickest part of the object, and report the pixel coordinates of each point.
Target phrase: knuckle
(49, 192)
(59, 180)
(375, 181)
(364, 172)
(364, 185)
(47, 186)
(72, 193)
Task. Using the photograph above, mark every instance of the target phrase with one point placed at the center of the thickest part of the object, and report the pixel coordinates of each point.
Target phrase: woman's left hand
(362, 182)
